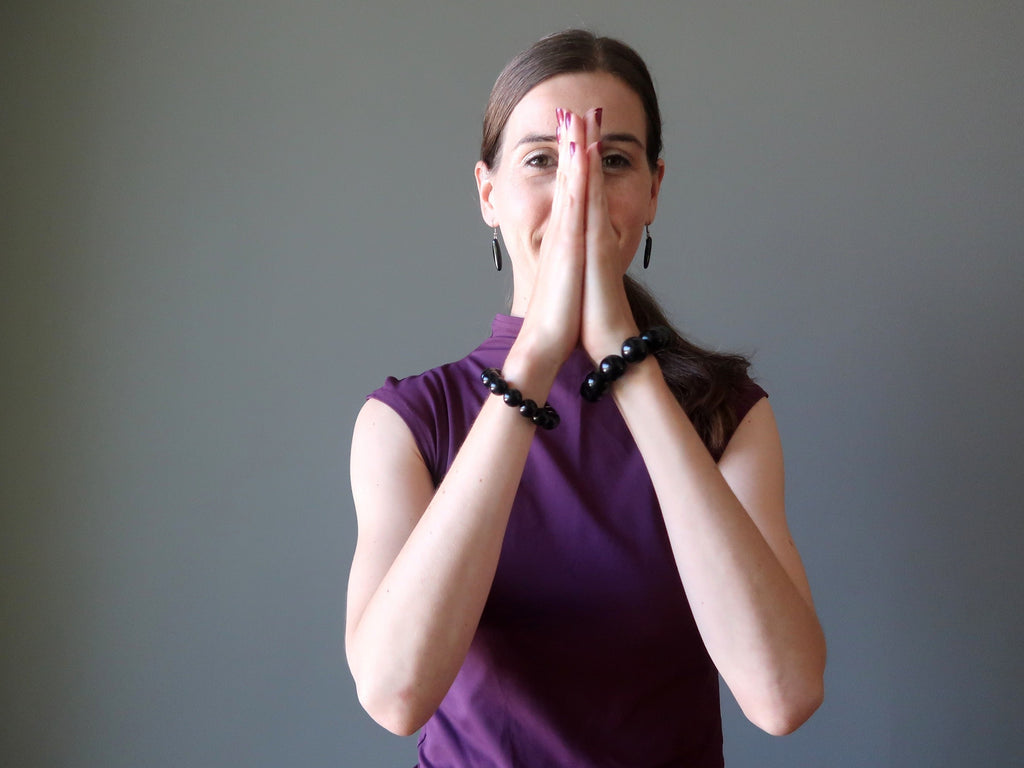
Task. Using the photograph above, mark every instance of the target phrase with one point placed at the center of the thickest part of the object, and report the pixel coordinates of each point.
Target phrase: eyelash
(545, 161)
(615, 161)
(549, 161)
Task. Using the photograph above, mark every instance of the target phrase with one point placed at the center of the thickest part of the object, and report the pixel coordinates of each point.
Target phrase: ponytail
(702, 381)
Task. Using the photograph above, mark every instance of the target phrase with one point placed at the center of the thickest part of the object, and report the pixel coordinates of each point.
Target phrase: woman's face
(516, 194)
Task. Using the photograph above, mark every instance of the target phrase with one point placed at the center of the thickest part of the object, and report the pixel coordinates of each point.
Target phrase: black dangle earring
(647, 247)
(496, 250)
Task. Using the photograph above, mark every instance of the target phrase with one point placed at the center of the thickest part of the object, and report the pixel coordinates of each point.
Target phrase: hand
(607, 319)
(551, 327)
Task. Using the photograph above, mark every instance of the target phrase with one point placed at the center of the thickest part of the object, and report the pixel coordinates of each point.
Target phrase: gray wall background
(224, 222)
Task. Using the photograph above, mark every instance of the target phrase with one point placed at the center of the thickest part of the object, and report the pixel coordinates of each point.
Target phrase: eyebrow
(627, 138)
(537, 138)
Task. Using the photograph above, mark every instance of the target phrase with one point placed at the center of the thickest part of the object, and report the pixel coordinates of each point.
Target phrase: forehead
(579, 92)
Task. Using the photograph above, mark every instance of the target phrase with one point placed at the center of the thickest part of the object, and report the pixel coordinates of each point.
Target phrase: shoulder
(746, 394)
(423, 395)
(424, 386)
(741, 396)
(380, 433)
(437, 407)
(752, 463)
(426, 395)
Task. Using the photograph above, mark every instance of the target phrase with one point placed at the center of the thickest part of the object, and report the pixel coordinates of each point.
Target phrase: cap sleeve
(411, 399)
(744, 397)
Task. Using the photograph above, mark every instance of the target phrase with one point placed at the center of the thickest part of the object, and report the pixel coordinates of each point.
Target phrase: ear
(656, 177)
(484, 188)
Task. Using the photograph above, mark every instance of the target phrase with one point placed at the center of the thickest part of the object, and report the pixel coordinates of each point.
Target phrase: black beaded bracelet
(544, 416)
(634, 349)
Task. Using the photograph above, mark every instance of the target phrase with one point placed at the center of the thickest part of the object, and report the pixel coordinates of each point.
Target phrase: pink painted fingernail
(572, 148)
(568, 120)
(597, 115)
(559, 116)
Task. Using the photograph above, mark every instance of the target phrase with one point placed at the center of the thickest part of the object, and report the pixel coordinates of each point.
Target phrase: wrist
(543, 416)
(607, 340)
(533, 372)
(636, 356)
(641, 374)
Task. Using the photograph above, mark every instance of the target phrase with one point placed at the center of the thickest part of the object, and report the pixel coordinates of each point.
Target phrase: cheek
(628, 212)
(537, 198)
(532, 205)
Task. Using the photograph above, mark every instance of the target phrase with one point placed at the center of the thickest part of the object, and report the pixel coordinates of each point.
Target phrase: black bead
(544, 417)
(528, 408)
(657, 338)
(553, 418)
(612, 367)
(595, 385)
(634, 349)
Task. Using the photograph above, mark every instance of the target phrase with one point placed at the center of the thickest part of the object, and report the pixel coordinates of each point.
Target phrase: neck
(522, 290)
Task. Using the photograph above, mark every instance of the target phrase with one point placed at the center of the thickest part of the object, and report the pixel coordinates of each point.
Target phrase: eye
(541, 161)
(615, 161)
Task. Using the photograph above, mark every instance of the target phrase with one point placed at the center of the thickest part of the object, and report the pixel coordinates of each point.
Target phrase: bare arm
(425, 561)
(726, 522)
(742, 573)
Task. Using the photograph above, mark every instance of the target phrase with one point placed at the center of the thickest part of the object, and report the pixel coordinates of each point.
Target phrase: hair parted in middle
(568, 52)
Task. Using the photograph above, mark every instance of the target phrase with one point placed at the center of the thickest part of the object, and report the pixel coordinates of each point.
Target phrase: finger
(570, 134)
(574, 153)
(566, 221)
(597, 204)
(562, 143)
(554, 236)
(594, 124)
(560, 174)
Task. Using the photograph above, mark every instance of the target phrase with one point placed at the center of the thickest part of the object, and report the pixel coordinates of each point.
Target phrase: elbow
(400, 713)
(787, 699)
(397, 701)
(399, 707)
(782, 708)
(783, 717)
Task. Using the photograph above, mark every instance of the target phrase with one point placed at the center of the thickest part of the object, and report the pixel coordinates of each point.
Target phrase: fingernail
(559, 116)
(572, 148)
(568, 120)
(597, 115)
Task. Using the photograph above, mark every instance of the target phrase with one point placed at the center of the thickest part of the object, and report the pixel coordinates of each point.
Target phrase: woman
(563, 590)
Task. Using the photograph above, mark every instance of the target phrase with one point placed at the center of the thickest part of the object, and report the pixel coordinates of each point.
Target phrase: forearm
(759, 627)
(414, 632)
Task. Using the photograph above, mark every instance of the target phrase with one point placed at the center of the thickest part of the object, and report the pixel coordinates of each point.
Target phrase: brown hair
(574, 50)
(703, 381)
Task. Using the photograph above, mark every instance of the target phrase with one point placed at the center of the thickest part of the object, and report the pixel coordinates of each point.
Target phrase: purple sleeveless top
(587, 653)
